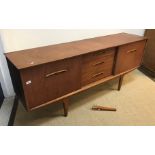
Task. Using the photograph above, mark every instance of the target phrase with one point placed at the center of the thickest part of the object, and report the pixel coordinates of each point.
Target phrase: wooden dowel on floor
(101, 108)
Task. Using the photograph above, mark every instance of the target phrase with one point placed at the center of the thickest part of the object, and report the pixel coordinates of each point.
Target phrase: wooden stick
(101, 108)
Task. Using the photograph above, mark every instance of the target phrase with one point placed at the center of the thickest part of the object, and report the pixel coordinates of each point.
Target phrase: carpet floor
(135, 105)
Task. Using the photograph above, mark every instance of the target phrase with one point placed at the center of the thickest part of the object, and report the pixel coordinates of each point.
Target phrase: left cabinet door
(33, 82)
(47, 82)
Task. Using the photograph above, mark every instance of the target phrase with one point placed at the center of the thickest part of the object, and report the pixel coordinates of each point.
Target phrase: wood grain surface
(36, 56)
(45, 75)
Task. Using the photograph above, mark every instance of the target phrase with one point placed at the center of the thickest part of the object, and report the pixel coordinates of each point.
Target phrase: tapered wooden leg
(13, 112)
(120, 82)
(65, 106)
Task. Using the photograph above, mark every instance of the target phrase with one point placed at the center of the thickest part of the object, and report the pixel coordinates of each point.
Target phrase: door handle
(131, 51)
(99, 63)
(55, 73)
(96, 75)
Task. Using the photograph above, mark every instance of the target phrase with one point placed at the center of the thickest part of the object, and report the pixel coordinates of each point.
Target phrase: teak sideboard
(45, 75)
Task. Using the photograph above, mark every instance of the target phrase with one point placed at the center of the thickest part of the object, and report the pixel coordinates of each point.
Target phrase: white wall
(4, 75)
(22, 39)
(14, 40)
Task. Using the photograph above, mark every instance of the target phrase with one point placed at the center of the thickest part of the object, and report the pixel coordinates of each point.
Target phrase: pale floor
(135, 105)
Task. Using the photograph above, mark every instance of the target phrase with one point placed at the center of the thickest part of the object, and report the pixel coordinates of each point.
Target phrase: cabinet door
(62, 77)
(47, 82)
(33, 80)
(129, 56)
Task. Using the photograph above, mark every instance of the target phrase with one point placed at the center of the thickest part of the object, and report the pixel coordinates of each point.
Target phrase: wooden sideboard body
(148, 64)
(44, 75)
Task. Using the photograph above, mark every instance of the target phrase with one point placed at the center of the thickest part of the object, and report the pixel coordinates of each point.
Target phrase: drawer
(88, 78)
(91, 58)
(47, 82)
(129, 56)
(97, 66)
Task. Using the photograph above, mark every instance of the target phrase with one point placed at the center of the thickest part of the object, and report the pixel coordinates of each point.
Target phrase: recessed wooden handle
(55, 73)
(96, 75)
(102, 52)
(131, 51)
(99, 63)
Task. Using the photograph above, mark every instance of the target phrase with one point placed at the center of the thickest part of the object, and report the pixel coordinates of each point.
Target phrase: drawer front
(97, 66)
(47, 82)
(129, 56)
(88, 78)
(91, 58)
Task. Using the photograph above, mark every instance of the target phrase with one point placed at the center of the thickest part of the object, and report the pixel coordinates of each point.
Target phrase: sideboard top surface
(41, 55)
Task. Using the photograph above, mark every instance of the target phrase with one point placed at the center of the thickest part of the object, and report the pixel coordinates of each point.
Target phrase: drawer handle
(101, 52)
(131, 51)
(99, 63)
(96, 75)
(55, 73)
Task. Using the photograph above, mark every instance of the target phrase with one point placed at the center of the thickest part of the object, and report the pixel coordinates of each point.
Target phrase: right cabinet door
(129, 56)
